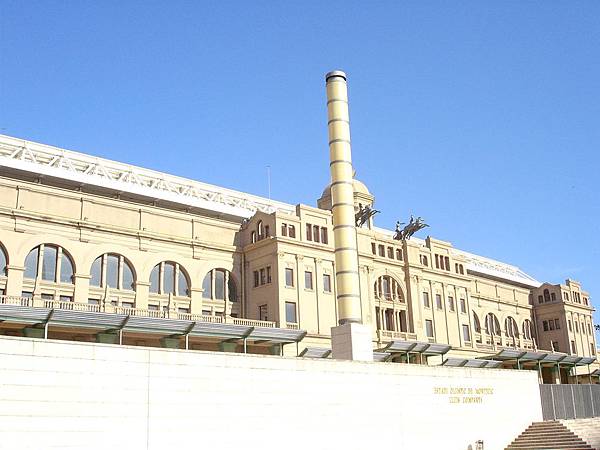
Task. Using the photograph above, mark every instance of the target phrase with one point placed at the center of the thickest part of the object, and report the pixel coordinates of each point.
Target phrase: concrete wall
(58, 394)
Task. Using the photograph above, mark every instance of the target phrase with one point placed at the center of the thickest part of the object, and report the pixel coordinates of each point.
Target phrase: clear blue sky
(482, 117)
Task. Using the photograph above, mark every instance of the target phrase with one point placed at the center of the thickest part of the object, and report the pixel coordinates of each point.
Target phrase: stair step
(550, 446)
(548, 435)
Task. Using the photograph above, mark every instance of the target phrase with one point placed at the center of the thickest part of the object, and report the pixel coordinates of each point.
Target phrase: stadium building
(88, 235)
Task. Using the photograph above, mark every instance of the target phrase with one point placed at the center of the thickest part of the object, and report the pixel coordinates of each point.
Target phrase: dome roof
(358, 186)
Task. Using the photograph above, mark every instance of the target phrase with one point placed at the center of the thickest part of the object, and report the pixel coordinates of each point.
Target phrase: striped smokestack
(342, 199)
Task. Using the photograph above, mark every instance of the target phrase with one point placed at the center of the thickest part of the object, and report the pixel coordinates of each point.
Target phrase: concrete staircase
(549, 435)
(586, 429)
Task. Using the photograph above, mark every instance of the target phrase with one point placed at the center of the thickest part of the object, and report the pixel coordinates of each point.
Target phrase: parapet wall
(60, 394)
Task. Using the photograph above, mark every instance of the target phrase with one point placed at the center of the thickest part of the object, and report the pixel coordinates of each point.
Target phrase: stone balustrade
(38, 302)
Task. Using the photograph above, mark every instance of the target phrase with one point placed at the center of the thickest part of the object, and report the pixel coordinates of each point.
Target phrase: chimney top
(335, 73)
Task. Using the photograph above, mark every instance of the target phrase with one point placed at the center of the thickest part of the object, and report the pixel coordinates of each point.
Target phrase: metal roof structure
(423, 348)
(84, 170)
(476, 363)
(520, 356)
(323, 353)
(315, 352)
(381, 356)
(89, 170)
(168, 327)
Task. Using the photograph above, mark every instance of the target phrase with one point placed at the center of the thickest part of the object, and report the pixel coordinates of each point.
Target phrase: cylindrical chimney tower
(342, 199)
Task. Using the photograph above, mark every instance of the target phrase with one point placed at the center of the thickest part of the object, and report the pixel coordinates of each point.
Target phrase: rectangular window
(48, 296)
(326, 283)
(168, 278)
(153, 307)
(289, 277)
(290, 312)
(592, 349)
(590, 328)
(466, 333)
(308, 280)
(573, 350)
(545, 325)
(284, 230)
(463, 306)
(308, 232)
(95, 301)
(179, 310)
(438, 301)
(219, 284)
(557, 324)
(256, 282)
(429, 328)
(451, 303)
(447, 259)
(569, 325)
(27, 294)
(437, 261)
(555, 346)
(263, 313)
(540, 299)
(551, 324)
(324, 237)
(263, 277)
(206, 312)
(426, 299)
(576, 327)
(390, 252)
(399, 254)
(66, 298)
(316, 233)
(381, 250)
(112, 271)
(268, 274)
(49, 263)
(373, 248)
(291, 231)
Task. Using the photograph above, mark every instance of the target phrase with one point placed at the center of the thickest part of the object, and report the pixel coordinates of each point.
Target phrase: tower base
(352, 341)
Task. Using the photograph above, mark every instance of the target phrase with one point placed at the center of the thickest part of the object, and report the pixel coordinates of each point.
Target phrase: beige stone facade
(119, 246)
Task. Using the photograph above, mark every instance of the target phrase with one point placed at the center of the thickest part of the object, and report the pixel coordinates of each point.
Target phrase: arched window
(51, 262)
(546, 295)
(476, 323)
(260, 229)
(3, 262)
(218, 284)
(511, 327)
(114, 271)
(492, 325)
(527, 329)
(169, 277)
(388, 288)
